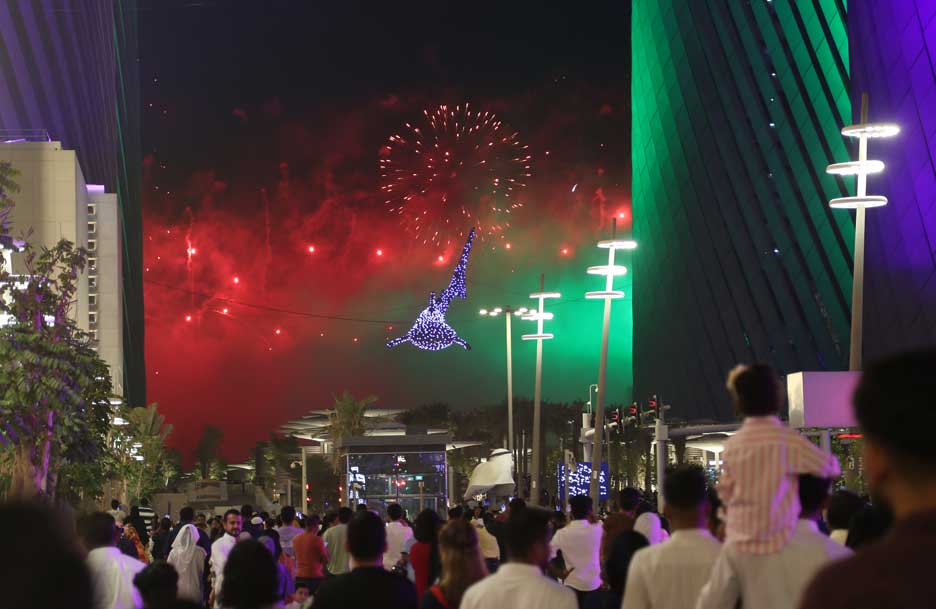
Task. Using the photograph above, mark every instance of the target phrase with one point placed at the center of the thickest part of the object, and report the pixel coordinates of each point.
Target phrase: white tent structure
(493, 477)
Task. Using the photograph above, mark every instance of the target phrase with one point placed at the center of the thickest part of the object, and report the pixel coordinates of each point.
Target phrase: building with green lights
(737, 108)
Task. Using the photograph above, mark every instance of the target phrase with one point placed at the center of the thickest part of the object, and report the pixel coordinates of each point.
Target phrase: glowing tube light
(543, 336)
(614, 270)
(600, 294)
(618, 244)
(853, 168)
(858, 202)
(871, 130)
(539, 316)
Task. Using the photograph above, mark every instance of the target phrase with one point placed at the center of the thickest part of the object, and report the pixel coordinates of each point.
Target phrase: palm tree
(347, 419)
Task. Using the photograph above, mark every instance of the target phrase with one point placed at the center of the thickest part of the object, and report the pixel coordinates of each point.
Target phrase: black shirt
(366, 588)
(895, 572)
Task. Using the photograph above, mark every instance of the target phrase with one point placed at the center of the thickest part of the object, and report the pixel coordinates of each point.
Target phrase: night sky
(264, 125)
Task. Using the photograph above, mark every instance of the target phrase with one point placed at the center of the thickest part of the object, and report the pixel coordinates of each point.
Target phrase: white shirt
(219, 555)
(487, 542)
(580, 542)
(518, 586)
(770, 581)
(670, 575)
(397, 535)
(112, 574)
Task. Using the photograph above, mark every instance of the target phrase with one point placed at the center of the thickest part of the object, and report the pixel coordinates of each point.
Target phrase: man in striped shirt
(761, 465)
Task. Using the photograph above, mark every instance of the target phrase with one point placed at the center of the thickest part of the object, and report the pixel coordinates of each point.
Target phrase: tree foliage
(54, 389)
(209, 463)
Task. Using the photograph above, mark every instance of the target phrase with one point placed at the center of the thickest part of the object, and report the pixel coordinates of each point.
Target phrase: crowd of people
(772, 534)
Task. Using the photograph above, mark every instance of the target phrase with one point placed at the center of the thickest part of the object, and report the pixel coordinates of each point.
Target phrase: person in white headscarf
(648, 524)
(189, 561)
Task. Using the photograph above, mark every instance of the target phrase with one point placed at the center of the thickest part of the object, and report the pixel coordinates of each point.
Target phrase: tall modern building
(54, 202)
(70, 70)
(892, 46)
(737, 111)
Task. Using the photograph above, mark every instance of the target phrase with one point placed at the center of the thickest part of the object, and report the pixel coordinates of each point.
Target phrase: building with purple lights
(70, 79)
(737, 110)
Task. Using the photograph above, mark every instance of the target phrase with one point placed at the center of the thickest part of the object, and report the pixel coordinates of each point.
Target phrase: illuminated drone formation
(431, 332)
(459, 169)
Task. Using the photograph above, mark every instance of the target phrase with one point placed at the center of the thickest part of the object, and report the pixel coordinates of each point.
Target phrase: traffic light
(308, 494)
(652, 404)
(632, 410)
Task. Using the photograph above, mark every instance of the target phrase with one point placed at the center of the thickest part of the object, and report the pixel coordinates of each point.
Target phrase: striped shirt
(759, 482)
(149, 517)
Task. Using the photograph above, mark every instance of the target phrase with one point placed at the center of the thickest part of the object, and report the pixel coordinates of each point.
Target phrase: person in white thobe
(670, 574)
(397, 536)
(112, 574)
(221, 548)
(778, 580)
(580, 543)
(189, 562)
(520, 583)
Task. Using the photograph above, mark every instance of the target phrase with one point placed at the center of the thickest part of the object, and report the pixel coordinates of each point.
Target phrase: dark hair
(303, 584)
(97, 530)
(525, 528)
(250, 577)
(629, 498)
(895, 404)
(812, 492)
(843, 505)
(685, 488)
(456, 512)
(313, 521)
(246, 511)
(361, 507)
(115, 504)
(228, 513)
(619, 559)
(580, 506)
(135, 511)
(517, 503)
(157, 584)
(165, 524)
(288, 514)
(345, 515)
(755, 390)
(277, 545)
(46, 571)
(869, 525)
(426, 526)
(367, 537)
(394, 511)
(186, 514)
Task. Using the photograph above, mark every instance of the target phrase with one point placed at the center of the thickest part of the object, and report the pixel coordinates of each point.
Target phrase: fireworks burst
(459, 169)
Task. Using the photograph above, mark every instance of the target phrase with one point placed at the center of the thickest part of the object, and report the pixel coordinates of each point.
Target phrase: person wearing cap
(252, 524)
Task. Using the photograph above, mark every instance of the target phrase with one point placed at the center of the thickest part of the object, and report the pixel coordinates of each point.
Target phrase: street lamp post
(539, 316)
(508, 312)
(609, 271)
(861, 169)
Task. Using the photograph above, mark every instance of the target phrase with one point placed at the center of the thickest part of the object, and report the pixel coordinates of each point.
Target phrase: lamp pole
(539, 316)
(861, 169)
(508, 312)
(609, 271)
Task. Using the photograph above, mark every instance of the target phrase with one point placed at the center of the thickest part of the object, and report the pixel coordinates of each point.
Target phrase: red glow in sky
(324, 201)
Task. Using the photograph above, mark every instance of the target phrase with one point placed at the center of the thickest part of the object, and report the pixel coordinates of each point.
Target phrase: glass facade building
(737, 110)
